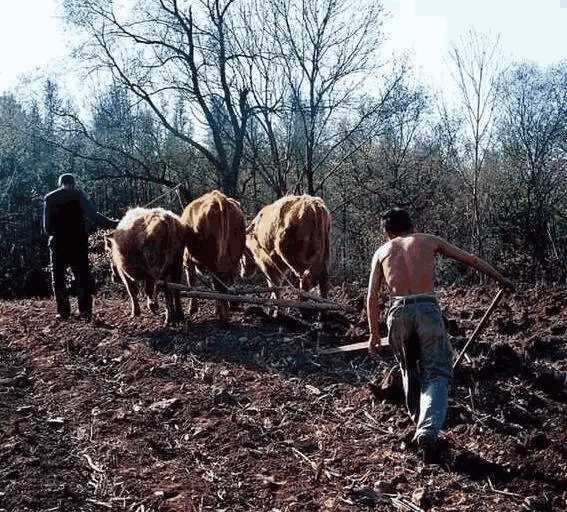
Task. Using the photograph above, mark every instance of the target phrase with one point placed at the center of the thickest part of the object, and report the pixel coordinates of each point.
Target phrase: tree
(161, 49)
(533, 131)
(326, 52)
(476, 72)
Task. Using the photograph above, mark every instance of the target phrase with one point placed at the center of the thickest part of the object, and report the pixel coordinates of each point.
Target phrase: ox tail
(315, 247)
(154, 261)
(223, 234)
(321, 228)
(325, 233)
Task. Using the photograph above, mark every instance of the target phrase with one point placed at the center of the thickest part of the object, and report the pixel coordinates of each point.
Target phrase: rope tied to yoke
(172, 190)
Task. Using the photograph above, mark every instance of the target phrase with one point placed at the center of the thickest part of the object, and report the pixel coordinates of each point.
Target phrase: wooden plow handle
(480, 326)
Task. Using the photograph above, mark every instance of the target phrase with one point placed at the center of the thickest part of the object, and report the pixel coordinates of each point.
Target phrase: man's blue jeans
(416, 333)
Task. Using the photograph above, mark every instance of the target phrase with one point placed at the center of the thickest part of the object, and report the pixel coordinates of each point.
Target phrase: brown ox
(215, 241)
(147, 246)
(290, 234)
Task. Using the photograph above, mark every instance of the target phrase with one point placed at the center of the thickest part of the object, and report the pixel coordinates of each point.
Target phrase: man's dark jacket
(65, 215)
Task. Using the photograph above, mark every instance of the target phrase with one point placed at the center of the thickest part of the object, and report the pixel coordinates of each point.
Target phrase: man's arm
(46, 218)
(95, 217)
(455, 253)
(373, 303)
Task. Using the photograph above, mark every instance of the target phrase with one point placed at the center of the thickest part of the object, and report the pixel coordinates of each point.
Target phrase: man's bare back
(407, 263)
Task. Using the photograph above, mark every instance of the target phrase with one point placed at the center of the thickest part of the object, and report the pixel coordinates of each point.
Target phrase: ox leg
(324, 291)
(113, 273)
(273, 276)
(228, 279)
(191, 274)
(132, 289)
(150, 289)
(177, 307)
(305, 282)
(305, 285)
(221, 307)
(169, 308)
(324, 284)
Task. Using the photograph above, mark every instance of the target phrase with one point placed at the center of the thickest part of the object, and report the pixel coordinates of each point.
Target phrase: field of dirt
(124, 414)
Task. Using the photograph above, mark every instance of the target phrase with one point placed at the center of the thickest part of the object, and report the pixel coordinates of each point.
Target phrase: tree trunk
(229, 183)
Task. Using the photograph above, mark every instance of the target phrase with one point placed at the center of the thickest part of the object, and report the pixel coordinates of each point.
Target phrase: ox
(291, 234)
(215, 242)
(147, 246)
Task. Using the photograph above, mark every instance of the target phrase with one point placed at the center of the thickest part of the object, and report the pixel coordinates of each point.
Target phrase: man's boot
(63, 305)
(85, 304)
(427, 449)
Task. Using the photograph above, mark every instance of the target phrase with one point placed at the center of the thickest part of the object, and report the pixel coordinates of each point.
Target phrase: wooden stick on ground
(242, 291)
(318, 306)
(361, 345)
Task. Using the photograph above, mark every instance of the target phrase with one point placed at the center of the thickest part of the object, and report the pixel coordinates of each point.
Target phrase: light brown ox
(147, 246)
(291, 234)
(215, 242)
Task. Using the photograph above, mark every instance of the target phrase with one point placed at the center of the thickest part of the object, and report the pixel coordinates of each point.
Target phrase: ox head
(108, 243)
(247, 262)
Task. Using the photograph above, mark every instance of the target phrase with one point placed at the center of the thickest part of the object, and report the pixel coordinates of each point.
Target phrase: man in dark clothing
(65, 214)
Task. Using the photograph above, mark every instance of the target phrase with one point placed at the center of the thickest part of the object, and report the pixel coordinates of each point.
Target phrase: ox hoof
(135, 313)
(222, 315)
(153, 307)
(192, 307)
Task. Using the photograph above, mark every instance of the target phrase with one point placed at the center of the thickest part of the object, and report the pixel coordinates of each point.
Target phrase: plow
(363, 345)
(308, 301)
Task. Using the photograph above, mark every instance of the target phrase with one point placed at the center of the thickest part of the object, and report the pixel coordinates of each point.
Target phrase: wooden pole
(480, 326)
(198, 294)
(361, 345)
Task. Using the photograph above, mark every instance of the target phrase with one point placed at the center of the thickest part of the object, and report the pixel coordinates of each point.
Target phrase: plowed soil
(123, 414)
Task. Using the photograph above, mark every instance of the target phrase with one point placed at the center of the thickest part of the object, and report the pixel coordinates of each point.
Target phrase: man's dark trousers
(73, 254)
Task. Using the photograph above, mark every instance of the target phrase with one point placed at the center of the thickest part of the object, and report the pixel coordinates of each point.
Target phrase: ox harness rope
(170, 191)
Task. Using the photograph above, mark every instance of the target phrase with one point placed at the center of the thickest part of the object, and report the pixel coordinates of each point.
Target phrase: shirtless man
(416, 333)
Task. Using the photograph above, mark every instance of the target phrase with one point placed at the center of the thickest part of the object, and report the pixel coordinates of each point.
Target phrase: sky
(33, 39)
(529, 29)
